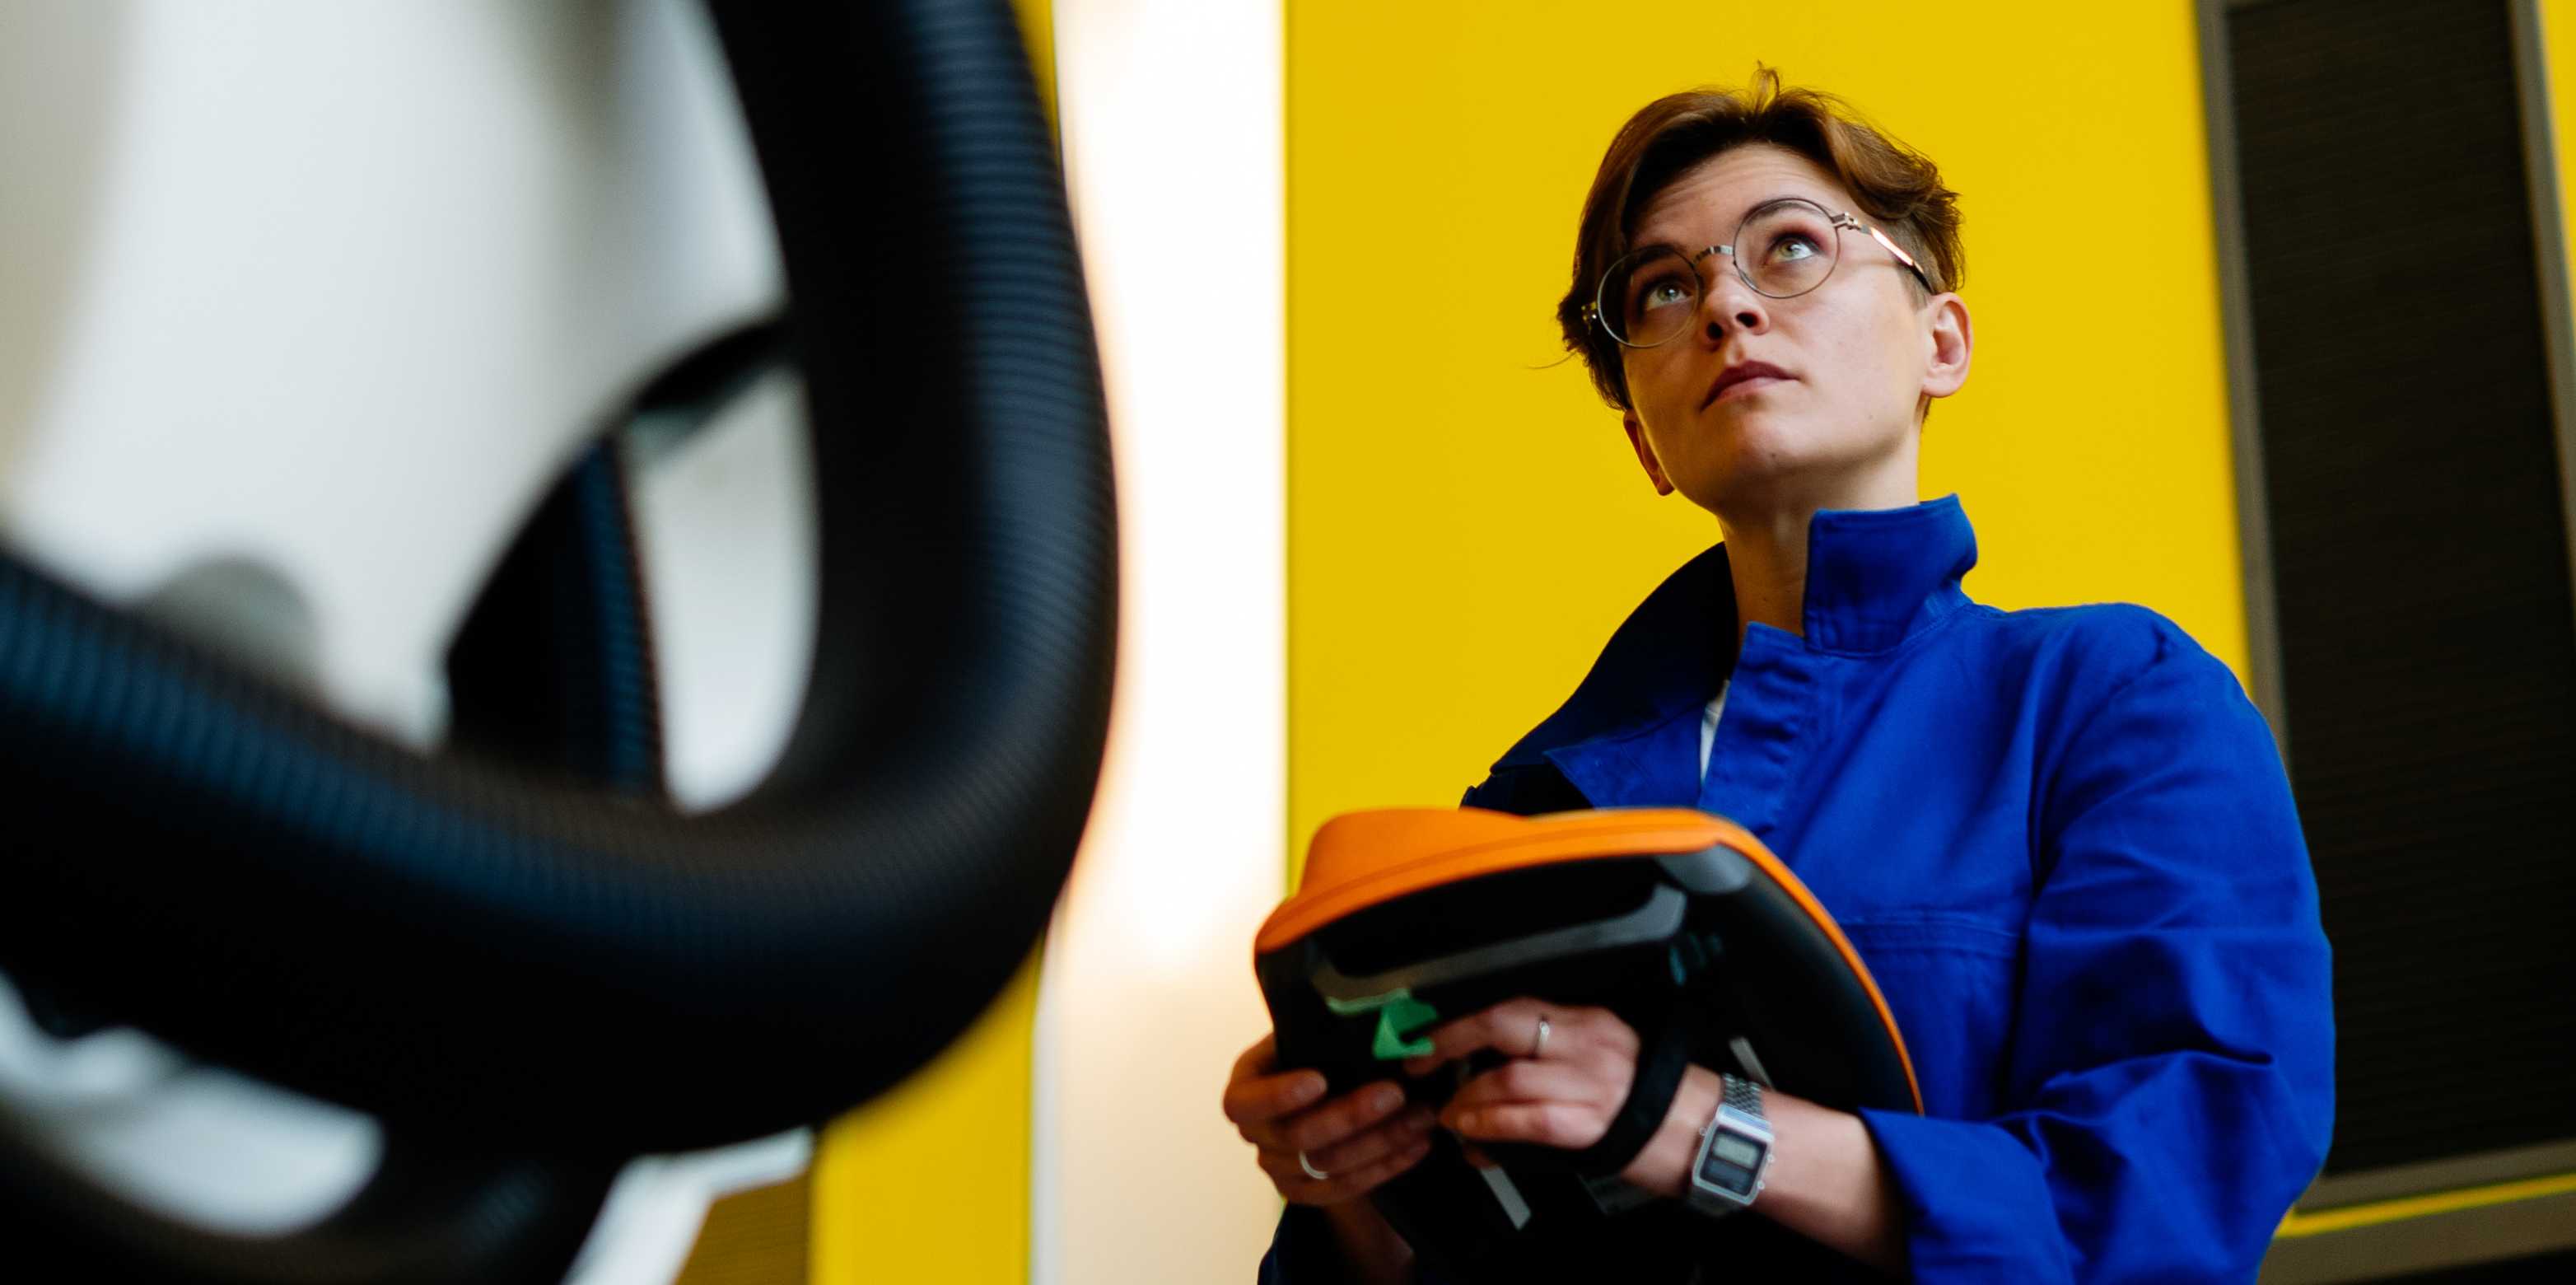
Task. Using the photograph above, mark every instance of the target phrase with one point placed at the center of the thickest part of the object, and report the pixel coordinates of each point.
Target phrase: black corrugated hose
(530, 975)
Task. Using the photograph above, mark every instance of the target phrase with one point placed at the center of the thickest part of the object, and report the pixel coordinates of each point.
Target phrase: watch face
(1731, 1163)
(1733, 1150)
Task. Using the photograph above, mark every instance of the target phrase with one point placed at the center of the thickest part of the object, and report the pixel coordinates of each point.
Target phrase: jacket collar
(1874, 579)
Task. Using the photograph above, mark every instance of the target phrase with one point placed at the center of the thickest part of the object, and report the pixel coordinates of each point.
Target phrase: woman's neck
(1768, 560)
(1766, 551)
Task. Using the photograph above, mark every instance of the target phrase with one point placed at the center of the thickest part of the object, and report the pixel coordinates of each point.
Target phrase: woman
(2061, 839)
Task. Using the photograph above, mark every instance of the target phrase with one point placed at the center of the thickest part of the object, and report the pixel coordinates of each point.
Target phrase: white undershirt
(1708, 726)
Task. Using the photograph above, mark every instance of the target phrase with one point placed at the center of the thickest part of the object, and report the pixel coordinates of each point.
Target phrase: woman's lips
(1741, 378)
(1746, 387)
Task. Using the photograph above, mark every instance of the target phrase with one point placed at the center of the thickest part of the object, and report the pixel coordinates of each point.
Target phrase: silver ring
(1538, 1047)
(1311, 1171)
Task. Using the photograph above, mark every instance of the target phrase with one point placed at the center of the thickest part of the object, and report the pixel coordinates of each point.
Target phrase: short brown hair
(1896, 186)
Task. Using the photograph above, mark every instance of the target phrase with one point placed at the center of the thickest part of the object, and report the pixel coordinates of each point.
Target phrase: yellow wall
(1465, 527)
(931, 1181)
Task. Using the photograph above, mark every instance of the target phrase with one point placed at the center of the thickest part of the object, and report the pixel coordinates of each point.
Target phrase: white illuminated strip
(1172, 137)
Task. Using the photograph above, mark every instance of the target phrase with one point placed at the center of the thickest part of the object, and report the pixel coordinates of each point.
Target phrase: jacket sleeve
(1525, 791)
(2171, 1072)
(1301, 1251)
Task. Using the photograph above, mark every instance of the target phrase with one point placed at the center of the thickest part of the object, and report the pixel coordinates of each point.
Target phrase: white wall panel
(1171, 120)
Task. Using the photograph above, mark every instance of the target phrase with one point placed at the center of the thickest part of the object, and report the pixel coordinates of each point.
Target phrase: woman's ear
(1646, 453)
(1952, 340)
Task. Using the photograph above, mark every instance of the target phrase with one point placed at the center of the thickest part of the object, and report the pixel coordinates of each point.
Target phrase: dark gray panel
(2419, 557)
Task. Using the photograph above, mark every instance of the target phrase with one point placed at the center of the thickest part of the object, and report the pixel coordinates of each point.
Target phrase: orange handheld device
(1680, 922)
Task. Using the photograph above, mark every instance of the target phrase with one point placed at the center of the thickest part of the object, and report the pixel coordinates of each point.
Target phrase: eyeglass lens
(1784, 249)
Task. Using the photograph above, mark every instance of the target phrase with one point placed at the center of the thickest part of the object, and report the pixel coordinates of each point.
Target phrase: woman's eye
(1793, 247)
(1662, 294)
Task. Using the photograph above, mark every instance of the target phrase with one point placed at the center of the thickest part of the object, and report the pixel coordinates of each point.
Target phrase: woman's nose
(1730, 302)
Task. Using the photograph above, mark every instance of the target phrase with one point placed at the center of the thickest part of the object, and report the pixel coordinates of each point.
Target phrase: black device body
(1707, 941)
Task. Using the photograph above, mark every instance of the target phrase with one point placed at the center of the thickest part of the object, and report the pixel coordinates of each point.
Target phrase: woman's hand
(1357, 1141)
(1560, 1089)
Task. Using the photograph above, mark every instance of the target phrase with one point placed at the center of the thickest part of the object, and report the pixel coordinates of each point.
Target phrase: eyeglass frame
(1838, 222)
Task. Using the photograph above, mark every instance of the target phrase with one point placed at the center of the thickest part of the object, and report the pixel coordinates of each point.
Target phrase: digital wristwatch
(1734, 1152)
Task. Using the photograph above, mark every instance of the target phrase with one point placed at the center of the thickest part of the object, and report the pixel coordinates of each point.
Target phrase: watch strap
(1744, 1095)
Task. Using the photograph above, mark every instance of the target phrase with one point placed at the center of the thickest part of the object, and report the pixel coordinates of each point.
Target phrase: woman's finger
(1569, 1125)
(1260, 1099)
(1261, 1059)
(1510, 1028)
(1295, 1187)
(1371, 1145)
(1522, 1080)
(1254, 1087)
(1368, 1178)
(1336, 1121)
(1601, 1029)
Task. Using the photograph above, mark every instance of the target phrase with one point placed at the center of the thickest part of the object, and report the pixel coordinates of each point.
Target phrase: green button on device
(1398, 1012)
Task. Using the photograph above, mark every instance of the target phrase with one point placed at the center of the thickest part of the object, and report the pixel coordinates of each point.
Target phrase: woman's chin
(1765, 461)
(1764, 482)
(1752, 467)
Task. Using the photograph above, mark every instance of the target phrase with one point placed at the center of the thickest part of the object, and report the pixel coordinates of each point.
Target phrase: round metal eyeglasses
(1783, 249)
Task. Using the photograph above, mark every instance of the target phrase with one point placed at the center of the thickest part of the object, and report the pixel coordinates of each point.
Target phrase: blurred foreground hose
(505, 956)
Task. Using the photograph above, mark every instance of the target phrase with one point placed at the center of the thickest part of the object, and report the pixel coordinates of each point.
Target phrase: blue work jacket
(2063, 843)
